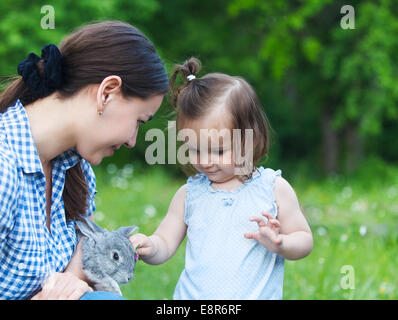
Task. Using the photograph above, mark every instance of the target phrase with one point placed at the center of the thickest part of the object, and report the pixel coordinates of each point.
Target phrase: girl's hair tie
(42, 82)
(190, 77)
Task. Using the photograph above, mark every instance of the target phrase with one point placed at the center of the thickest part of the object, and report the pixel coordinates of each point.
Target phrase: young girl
(239, 228)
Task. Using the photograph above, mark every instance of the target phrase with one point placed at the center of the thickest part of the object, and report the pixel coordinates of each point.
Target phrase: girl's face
(117, 126)
(212, 152)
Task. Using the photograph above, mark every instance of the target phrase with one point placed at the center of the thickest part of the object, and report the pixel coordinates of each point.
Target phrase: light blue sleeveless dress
(220, 263)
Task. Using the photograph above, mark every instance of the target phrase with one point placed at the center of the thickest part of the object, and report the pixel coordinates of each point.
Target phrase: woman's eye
(115, 256)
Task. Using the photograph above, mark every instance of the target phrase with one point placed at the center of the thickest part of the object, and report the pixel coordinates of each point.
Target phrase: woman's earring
(100, 113)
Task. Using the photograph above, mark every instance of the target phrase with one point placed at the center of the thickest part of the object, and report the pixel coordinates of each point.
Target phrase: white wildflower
(150, 210)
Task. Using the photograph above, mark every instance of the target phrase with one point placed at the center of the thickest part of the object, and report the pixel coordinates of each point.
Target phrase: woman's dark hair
(89, 55)
(196, 98)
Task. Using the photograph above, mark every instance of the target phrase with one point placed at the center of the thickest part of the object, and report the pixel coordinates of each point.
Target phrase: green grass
(354, 222)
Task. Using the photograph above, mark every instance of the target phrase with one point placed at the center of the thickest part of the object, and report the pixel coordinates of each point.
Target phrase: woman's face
(117, 126)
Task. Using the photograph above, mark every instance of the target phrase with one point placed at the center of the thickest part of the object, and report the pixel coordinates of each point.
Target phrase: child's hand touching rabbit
(143, 245)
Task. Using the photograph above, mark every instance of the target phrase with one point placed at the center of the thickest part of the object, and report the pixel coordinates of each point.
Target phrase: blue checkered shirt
(29, 253)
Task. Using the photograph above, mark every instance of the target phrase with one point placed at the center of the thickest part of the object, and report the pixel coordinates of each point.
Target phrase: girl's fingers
(275, 223)
(275, 238)
(138, 240)
(260, 221)
(251, 235)
(268, 215)
(267, 232)
(144, 251)
(144, 243)
(271, 220)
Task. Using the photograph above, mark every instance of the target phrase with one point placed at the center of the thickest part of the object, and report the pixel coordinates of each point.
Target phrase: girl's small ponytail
(188, 70)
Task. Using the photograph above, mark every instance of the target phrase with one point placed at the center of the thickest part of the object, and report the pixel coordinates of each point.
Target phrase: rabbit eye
(115, 256)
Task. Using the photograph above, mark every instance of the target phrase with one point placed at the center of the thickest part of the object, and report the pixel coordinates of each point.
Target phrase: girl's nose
(205, 162)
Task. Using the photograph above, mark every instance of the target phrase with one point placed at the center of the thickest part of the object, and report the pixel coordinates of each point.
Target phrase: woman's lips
(116, 147)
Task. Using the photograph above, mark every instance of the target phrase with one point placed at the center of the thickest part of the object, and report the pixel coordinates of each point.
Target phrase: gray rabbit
(108, 256)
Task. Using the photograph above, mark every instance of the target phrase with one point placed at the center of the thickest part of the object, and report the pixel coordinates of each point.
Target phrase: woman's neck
(51, 123)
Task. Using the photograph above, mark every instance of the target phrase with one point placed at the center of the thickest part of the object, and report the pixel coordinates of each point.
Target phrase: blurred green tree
(344, 77)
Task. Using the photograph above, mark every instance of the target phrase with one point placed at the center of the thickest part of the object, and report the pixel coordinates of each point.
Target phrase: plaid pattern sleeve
(29, 250)
(8, 192)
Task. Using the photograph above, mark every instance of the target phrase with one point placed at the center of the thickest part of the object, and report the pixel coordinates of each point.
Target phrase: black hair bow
(51, 79)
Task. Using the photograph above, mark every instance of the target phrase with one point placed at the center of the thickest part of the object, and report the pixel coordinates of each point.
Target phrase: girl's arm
(296, 234)
(162, 245)
(289, 235)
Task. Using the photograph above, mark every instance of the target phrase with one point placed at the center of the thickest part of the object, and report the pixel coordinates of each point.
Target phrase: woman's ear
(109, 86)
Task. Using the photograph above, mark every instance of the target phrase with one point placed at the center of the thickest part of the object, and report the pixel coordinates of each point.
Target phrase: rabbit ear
(126, 231)
(89, 228)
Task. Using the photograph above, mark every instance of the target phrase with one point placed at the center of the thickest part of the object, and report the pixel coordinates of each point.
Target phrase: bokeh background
(331, 96)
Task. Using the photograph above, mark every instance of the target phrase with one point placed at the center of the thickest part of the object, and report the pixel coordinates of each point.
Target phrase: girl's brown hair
(197, 98)
(89, 55)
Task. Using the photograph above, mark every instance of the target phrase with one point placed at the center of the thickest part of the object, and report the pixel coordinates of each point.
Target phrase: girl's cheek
(193, 158)
(227, 159)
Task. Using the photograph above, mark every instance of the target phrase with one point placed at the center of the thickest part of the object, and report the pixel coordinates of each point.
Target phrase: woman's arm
(296, 234)
(162, 245)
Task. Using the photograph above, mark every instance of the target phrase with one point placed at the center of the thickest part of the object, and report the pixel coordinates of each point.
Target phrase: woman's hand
(62, 286)
(268, 233)
(143, 245)
(75, 264)
(69, 285)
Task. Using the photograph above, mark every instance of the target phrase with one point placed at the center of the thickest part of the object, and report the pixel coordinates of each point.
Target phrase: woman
(71, 107)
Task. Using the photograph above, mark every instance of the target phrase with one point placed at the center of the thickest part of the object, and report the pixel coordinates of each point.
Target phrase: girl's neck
(228, 185)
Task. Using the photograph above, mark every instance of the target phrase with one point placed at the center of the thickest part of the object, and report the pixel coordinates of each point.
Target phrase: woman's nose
(131, 142)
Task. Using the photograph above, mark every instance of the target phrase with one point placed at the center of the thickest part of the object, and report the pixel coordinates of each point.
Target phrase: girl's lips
(211, 172)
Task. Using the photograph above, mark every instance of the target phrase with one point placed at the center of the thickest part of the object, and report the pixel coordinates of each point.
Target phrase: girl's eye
(115, 256)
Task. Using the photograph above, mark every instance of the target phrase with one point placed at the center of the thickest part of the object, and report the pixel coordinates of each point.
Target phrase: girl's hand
(62, 286)
(268, 233)
(142, 245)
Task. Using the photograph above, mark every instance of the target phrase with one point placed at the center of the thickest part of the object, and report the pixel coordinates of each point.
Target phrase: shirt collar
(18, 131)
(69, 158)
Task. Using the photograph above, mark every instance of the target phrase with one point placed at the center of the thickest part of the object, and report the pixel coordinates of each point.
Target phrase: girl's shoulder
(265, 177)
(196, 186)
(263, 182)
(197, 179)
